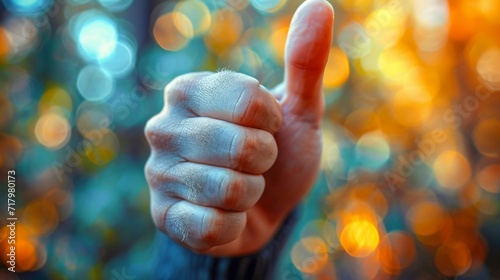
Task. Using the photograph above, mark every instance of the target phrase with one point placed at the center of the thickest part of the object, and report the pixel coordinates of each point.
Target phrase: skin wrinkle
(180, 220)
(237, 105)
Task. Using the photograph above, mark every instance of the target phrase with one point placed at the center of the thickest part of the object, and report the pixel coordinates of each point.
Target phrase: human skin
(231, 159)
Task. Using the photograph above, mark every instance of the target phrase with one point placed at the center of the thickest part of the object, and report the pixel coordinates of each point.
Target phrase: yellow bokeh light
(309, 254)
(487, 68)
(225, 31)
(384, 27)
(410, 108)
(337, 69)
(356, 5)
(170, 31)
(55, 97)
(396, 62)
(52, 130)
(278, 37)
(104, 150)
(359, 238)
(451, 169)
(490, 9)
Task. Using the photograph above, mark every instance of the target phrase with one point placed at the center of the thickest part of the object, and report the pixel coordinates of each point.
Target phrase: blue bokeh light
(95, 33)
(94, 84)
(28, 6)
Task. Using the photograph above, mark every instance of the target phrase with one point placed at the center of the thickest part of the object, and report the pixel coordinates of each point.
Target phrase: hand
(231, 159)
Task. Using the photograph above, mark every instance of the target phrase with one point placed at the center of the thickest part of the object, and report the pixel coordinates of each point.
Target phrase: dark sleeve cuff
(176, 262)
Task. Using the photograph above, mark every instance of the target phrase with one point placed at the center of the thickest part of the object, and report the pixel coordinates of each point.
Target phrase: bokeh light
(267, 6)
(309, 255)
(359, 238)
(96, 34)
(337, 69)
(28, 6)
(52, 130)
(172, 31)
(451, 169)
(397, 251)
(95, 84)
(121, 62)
(115, 5)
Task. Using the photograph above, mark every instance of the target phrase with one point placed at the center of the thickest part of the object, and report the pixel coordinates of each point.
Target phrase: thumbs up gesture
(230, 159)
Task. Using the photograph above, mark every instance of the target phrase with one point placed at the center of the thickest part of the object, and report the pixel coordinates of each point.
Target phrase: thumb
(306, 54)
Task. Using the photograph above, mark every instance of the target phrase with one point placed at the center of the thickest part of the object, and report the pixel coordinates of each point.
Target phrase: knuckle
(159, 174)
(158, 214)
(233, 191)
(254, 110)
(179, 90)
(244, 151)
(161, 134)
(212, 223)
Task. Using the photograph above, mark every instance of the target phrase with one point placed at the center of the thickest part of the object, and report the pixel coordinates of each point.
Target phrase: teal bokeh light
(28, 6)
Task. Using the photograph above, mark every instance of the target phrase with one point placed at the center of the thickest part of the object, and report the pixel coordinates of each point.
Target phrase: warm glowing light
(489, 178)
(396, 62)
(309, 254)
(411, 108)
(426, 218)
(359, 238)
(358, 5)
(490, 10)
(360, 121)
(26, 256)
(453, 258)
(371, 195)
(487, 68)
(225, 31)
(451, 169)
(486, 137)
(104, 150)
(167, 33)
(55, 97)
(52, 130)
(41, 217)
(4, 43)
(278, 37)
(337, 69)
(384, 27)
(396, 252)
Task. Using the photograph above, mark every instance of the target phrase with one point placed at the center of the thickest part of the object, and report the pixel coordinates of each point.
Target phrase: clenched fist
(230, 159)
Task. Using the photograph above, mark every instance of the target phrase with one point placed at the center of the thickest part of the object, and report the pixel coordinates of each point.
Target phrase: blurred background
(410, 181)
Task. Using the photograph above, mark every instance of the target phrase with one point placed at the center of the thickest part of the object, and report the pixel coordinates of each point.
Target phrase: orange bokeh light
(359, 238)
(397, 251)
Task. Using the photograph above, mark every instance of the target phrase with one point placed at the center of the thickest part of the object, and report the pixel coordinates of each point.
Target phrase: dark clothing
(176, 262)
